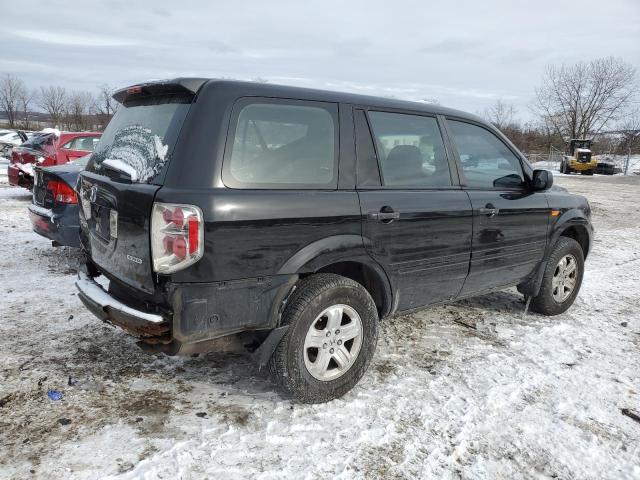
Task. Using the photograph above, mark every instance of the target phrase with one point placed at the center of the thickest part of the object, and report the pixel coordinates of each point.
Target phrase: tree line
(75, 110)
(596, 100)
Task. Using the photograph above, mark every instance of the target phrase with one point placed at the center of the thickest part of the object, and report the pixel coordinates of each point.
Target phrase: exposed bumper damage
(149, 327)
(61, 228)
(203, 317)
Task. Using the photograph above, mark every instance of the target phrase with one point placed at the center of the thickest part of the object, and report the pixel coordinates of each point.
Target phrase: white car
(10, 139)
(10, 136)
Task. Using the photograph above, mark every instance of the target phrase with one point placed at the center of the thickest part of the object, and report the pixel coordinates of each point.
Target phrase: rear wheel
(562, 278)
(332, 335)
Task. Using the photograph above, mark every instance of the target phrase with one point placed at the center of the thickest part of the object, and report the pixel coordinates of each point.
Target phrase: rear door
(509, 218)
(118, 187)
(416, 219)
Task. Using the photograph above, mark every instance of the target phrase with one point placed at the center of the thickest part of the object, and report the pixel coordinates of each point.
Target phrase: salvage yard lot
(470, 390)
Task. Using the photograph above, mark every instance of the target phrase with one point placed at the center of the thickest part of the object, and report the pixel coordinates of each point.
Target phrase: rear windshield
(38, 141)
(140, 137)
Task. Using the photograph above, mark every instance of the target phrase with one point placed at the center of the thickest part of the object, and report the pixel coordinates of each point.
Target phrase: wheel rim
(564, 278)
(333, 342)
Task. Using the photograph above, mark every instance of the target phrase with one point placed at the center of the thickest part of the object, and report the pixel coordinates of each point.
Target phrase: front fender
(572, 217)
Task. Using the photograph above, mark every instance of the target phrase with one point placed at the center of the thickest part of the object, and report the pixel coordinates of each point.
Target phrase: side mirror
(542, 179)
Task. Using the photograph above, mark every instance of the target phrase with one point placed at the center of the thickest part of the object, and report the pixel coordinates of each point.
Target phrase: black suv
(290, 221)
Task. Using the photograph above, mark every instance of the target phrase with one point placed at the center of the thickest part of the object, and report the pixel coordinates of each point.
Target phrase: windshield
(140, 137)
(39, 141)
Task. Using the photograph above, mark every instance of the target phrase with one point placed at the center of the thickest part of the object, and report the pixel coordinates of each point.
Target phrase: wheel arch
(344, 255)
(573, 225)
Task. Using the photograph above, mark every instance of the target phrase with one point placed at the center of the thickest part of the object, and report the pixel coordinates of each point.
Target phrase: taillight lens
(177, 236)
(61, 192)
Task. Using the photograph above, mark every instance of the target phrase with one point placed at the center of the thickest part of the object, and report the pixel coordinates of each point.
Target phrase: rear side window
(368, 173)
(82, 143)
(282, 144)
(410, 150)
(486, 161)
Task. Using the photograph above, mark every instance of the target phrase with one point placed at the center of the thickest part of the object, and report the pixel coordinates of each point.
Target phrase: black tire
(312, 296)
(544, 302)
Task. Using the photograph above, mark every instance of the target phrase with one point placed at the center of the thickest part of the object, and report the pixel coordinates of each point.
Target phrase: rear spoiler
(176, 86)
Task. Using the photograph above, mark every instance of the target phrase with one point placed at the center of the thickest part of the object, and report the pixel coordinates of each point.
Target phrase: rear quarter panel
(249, 233)
(253, 233)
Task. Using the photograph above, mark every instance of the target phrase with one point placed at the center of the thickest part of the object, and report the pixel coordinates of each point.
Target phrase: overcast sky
(464, 53)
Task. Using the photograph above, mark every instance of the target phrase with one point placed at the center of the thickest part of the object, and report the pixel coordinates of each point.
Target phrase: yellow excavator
(579, 158)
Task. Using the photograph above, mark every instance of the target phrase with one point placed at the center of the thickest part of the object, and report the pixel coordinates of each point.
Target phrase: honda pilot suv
(291, 221)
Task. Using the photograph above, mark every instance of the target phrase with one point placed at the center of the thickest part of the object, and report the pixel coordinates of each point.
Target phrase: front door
(416, 221)
(509, 218)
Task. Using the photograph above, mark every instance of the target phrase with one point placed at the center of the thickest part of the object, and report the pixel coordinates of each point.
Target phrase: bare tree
(11, 89)
(501, 114)
(580, 100)
(105, 104)
(630, 129)
(25, 99)
(53, 100)
(79, 107)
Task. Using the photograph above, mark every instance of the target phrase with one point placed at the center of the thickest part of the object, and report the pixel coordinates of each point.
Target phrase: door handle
(489, 210)
(384, 216)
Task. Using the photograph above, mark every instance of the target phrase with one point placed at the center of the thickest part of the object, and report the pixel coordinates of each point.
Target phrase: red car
(48, 148)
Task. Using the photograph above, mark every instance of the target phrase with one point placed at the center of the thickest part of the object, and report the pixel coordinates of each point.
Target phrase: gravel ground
(470, 390)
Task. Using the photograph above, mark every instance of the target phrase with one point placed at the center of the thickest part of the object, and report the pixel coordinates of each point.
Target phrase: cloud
(465, 53)
(74, 38)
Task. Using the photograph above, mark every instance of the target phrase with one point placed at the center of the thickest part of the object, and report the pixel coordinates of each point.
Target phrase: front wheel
(332, 335)
(562, 278)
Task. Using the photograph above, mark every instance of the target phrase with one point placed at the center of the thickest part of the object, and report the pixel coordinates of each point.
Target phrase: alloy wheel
(564, 279)
(333, 342)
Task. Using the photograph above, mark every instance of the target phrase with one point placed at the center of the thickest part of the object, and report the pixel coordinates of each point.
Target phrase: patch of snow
(55, 131)
(122, 167)
(506, 396)
(42, 211)
(161, 149)
(140, 149)
(26, 167)
(95, 292)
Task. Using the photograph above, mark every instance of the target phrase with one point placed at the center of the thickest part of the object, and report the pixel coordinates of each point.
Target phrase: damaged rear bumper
(144, 325)
(62, 228)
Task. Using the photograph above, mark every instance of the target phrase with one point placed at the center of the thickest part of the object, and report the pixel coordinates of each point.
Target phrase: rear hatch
(117, 189)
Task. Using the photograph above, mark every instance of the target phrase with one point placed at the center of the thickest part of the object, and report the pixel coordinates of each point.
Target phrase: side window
(367, 172)
(410, 150)
(82, 143)
(285, 144)
(486, 161)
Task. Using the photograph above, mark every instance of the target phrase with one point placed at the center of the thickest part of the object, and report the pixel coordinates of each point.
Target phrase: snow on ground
(472, 390)
(618, 160)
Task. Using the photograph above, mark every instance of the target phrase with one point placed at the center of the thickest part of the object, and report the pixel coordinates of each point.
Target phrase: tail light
(177, 236)
(61, 192)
